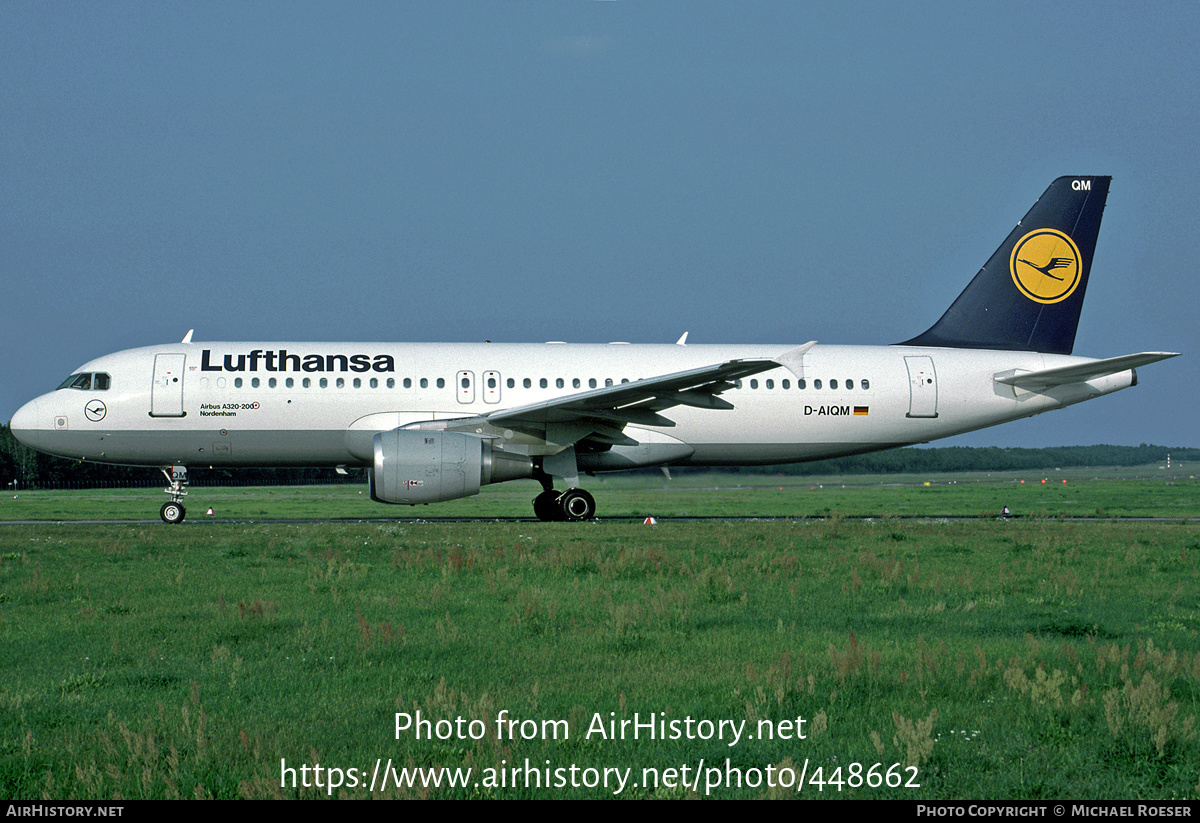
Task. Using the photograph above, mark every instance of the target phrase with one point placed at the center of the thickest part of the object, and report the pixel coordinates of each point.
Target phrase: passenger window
(833, 384)
(237, 382)
(849, 384)
(543, 383)
(865, 384)
(770, 384)
(358, 382)
(466, 383)
(591, 383)
(341, 383)
(408, 382)
(607, 381)
(527, 383)
(785, 384)
(441, 382)
(307, 383)
(754, 384)
(290, 382)
(816, 384)
(424, 382)
(511, 383)
(391, 383)
(254, 382)
(271, 382)
(575, 383)
(374, 382)
(558, 383)
(491, 383)
(802, 384)
(324, 383)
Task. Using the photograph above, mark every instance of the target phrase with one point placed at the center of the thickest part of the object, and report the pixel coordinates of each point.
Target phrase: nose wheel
(174, 512)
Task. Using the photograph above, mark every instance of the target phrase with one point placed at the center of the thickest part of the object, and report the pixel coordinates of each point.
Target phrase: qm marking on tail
(435, 422)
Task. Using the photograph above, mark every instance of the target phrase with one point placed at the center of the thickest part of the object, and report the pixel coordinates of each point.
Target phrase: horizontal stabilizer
(1082, 372)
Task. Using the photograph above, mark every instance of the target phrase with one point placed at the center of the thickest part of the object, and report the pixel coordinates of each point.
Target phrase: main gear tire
(577, 505)
(545, 506)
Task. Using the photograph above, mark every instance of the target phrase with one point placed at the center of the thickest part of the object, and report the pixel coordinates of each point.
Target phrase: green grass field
(984, 658)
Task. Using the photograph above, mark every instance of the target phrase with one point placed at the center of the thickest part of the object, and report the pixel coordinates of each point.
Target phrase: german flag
(861, 410)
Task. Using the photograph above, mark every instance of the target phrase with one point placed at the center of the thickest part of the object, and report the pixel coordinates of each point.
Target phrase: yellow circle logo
(1046, 265)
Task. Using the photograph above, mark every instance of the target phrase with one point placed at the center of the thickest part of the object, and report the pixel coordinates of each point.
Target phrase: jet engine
(412, 466)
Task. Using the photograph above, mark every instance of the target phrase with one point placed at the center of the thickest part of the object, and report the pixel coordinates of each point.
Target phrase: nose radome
(25, 423)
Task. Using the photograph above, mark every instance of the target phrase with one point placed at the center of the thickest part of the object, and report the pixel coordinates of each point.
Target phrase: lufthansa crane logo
(95, 410)
(1046, 265)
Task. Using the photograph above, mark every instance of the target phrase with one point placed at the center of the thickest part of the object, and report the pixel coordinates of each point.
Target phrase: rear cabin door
(166, 394)
(922, 382)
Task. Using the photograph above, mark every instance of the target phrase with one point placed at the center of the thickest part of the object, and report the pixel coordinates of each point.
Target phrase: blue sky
(588, 171)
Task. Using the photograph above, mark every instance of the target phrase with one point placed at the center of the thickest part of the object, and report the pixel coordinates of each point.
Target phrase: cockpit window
(86, 381)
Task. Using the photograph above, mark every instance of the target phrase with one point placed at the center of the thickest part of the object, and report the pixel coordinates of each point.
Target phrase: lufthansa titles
(282, 360)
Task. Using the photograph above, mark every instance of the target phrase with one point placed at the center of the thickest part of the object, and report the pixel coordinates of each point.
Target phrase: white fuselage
(320, 404)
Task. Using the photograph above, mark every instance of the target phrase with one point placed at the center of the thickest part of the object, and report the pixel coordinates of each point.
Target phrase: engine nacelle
(412, 466)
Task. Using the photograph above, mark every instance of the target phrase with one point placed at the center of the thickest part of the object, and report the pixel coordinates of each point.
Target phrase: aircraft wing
(638, 401)
(599, 416)
(1036, 380)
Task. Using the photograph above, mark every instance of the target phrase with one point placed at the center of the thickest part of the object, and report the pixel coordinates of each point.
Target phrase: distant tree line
(22, 467)
(988, 458)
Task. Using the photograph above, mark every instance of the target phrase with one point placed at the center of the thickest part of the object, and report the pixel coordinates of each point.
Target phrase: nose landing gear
(174, 512)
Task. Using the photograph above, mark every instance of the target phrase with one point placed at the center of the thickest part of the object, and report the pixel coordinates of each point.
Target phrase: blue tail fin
(1027, 297)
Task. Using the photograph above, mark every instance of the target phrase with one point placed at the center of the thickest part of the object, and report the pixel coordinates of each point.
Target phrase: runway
(599, 521)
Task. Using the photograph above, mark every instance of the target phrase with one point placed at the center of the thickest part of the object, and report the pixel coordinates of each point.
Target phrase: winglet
(793, 359)
(682, 341)
(187, 338)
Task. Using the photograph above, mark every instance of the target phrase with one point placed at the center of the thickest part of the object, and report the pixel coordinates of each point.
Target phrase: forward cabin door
(922, 382)
(166, 393)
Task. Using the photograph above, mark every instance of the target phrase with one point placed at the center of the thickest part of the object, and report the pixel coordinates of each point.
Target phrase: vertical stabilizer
(1027, 297)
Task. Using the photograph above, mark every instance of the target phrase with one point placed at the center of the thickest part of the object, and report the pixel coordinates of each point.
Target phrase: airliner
(436, 422)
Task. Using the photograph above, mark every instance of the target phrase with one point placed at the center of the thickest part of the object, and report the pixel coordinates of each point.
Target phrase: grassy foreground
(978, 659)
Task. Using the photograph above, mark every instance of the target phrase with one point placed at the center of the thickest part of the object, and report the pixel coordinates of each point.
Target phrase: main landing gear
(174, 512)
(572, 505)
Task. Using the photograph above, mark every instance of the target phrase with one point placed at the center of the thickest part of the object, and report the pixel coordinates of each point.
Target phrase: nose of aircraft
(25, 424)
